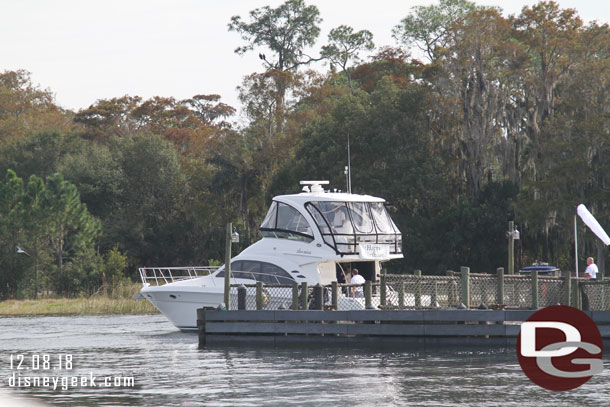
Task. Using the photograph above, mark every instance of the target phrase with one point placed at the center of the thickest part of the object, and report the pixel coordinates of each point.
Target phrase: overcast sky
(84, 50)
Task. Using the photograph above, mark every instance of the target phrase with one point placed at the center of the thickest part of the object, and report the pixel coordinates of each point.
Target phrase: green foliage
(344, 46)
(286, 30)
(427, 27)
(54, 230)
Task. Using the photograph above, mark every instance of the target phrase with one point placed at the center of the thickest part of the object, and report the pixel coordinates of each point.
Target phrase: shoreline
(95, 305)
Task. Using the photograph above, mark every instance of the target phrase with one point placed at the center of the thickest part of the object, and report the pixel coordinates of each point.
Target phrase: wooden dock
(423, 327)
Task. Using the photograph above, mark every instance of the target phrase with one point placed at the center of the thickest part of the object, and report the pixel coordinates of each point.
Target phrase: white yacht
(307, 237)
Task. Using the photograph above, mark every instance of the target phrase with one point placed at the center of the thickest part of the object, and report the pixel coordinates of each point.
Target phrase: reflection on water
(169, 370)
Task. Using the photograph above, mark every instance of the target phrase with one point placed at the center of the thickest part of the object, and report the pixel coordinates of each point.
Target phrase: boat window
(269, 221)
(289, 218)
(335, 215)
(272, 274)
(285, 222)
(362, 220)
(382, 218)
(344, 225)
(258, 271)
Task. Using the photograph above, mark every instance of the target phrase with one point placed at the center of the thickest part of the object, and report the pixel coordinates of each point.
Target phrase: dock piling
(465, 271)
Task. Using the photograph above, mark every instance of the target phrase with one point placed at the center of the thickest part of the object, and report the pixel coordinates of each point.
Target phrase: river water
(168, 369)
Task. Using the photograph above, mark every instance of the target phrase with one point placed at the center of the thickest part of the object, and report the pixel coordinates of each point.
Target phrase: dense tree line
(491, 119)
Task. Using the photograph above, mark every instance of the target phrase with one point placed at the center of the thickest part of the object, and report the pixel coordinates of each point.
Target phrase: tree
(25, 108)
(145, 218)
(69, 227)
(551, 40)
(427, 27)
(474, 87)
(345, 45)
(286, 31)
(208, 109)
(11, 233)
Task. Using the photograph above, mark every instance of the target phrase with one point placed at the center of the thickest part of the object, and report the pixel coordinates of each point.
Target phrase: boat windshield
(344, 225)
(285, 222)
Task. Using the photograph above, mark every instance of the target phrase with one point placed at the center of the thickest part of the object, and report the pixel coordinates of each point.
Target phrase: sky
(83, 51)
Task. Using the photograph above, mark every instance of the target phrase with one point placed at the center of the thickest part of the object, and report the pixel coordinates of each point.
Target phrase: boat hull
(180, 306)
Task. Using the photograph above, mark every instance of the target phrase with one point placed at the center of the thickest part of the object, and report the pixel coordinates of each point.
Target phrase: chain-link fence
(409, 291)
(595, 295)
(402, 291)
(271, 297)
(517, 292)
(484, 290)
(551, 291)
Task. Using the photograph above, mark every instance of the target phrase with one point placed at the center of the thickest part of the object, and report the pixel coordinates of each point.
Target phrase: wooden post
(434, 298)
(227, 296)
(382, 291)
(401, 295)
(511, 248)
(576, 294)
(465, 280)
(535, 298)
(295, 296)
(417, 273)
(318, 297)
(304, 295)
(241, 297)
(500, 293)
(335, 295)
(368, 294)
(259, 296)
(567, 286)
(201, 327)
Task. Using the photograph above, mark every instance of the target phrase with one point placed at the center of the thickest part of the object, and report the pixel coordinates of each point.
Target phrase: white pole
(349, 167)
(575, 248)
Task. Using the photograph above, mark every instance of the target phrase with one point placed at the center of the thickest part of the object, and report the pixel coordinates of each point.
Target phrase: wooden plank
(252, 315)
(518, 315)
(600, 316)
(512, 330)
(310, 315)
(312, 329)
(604, 330)
(355, 329)
(465, 330)
(239, 328)
(463, 315)
(274, 328)
(384, 329)
(385, 315)
(378, 315)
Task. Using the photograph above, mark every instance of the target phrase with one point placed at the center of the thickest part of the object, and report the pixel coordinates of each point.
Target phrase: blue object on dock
(542, 269)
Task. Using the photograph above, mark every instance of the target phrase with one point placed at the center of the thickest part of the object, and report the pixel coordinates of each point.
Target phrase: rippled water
(169, 370)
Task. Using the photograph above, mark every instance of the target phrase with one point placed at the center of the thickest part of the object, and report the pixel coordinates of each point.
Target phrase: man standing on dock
(591, 268)
(357, 292)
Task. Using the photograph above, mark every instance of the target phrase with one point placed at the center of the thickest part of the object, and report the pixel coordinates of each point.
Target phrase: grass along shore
(119, 302)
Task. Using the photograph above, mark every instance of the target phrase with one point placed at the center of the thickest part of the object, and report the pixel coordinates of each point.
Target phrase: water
(169, 370)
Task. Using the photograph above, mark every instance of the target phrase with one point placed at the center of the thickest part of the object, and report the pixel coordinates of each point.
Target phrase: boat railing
(165, 275)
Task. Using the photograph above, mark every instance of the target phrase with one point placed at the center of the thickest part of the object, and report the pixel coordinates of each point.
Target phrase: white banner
(592, 223)
(374, 251)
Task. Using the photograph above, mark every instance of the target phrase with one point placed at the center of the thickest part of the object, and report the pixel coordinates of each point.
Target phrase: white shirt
(592, 270)
(358, 279)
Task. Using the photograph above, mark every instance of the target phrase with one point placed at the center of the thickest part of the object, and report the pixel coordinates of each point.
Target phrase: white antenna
(349, 167)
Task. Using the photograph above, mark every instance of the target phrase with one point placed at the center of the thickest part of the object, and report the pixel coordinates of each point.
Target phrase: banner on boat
(374, 251)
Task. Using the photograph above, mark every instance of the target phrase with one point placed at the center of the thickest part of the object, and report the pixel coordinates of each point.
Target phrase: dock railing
(415, 291)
